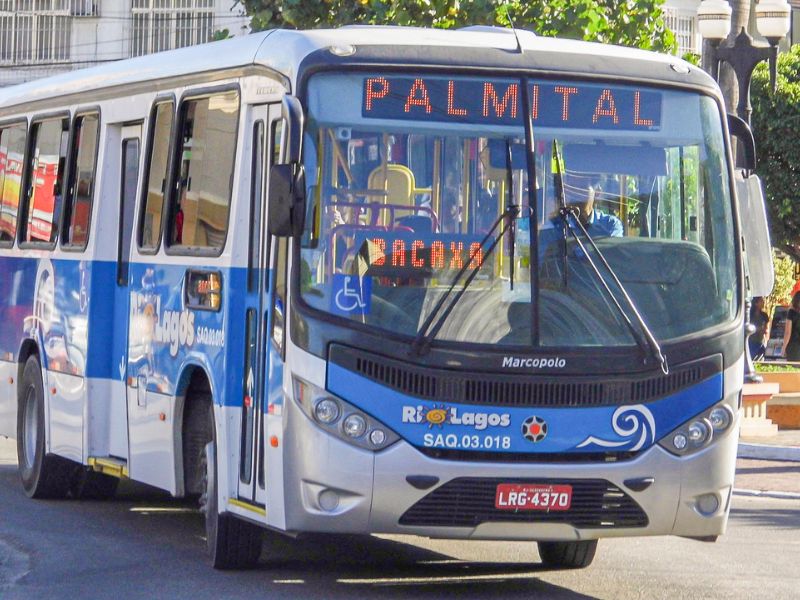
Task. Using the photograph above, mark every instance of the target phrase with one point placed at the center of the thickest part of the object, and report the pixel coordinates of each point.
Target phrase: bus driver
(597, 223)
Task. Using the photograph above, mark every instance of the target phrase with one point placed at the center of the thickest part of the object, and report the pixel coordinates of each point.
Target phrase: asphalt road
(148, 546)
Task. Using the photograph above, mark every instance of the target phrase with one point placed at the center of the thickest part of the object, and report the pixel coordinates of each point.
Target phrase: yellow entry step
(109, 466)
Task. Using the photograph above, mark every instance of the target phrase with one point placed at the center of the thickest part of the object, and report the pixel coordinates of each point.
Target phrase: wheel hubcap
(207, 466)
(31, 428)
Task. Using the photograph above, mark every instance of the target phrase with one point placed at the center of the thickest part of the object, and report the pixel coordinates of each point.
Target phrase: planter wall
(788, 381)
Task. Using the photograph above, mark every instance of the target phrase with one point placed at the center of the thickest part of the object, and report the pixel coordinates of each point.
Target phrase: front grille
(469, 501)
(528, 457)
(520, 389)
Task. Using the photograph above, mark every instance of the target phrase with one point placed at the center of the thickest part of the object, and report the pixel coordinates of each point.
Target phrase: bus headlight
(354, 425)
(326, 410)
(699, 432)
(721, 418)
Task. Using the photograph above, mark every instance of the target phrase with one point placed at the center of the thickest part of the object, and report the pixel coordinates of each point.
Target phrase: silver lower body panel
(331, 486)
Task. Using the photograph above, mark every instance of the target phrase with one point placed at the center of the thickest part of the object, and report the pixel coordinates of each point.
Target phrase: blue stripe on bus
(448, 425)
(80, 317)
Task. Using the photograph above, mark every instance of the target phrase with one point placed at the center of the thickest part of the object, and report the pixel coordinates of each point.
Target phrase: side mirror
(753, 215)
(747, 144)
(286, 205)
(287, 185)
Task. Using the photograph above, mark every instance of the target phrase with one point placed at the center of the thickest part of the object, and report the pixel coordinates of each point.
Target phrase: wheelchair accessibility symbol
(351, 294)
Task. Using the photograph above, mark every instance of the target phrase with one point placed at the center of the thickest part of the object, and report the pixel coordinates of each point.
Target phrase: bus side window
(279, 265)
(45, 180)
(203, 169)
(156, 177)
(256, 194)
(80, 192)
(12, 155)
(277, 142)
(279, 294)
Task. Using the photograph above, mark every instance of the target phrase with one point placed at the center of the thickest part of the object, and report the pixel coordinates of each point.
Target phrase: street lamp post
(714, 23)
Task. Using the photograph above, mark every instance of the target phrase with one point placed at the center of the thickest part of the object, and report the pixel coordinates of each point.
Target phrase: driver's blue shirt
(600, 225)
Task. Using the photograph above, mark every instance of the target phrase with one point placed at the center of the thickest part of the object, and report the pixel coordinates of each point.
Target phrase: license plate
(524, 496)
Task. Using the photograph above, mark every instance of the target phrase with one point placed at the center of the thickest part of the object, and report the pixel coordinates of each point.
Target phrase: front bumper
(331, 486)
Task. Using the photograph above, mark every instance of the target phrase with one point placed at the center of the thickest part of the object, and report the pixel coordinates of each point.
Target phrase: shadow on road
(364, 564)
(776, 518)
(145, 537)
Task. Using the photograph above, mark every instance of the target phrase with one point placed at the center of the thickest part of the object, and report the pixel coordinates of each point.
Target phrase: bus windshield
(408, 176)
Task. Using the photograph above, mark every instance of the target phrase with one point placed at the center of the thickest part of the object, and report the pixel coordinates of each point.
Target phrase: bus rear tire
(42, 475)
(232, 542)
(568, 555)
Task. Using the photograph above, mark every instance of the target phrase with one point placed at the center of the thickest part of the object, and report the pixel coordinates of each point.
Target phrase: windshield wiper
(430, 328)
(432, 324)
(642, 335)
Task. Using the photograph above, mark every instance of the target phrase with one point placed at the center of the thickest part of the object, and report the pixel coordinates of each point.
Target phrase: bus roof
(285, 50)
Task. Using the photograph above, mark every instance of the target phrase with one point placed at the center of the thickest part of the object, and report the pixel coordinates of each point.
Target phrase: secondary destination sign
(498, 101)
(407, 254)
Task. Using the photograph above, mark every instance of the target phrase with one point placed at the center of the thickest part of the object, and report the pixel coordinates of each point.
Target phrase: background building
(681, 18)
(44, 37)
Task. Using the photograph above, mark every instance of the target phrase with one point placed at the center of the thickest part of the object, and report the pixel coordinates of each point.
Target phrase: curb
(767, 494)
(767, 452)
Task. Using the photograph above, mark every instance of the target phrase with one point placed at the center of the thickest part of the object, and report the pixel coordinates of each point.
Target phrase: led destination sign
(408, 254)
(499, 101)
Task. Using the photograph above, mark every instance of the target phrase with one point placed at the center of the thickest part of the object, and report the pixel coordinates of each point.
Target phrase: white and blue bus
(465, 284)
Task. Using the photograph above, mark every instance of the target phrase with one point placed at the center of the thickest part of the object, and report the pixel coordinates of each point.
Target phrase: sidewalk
(769, 466)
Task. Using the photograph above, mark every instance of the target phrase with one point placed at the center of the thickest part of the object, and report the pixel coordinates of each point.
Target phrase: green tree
(776, 126)
(784, 282)
(638, 23)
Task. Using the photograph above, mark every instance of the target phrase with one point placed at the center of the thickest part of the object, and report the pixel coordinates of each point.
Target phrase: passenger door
(130, 144)
(264, 141)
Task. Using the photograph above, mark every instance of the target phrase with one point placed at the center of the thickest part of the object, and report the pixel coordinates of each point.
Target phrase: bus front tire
(568, 555)
(232, 543)
(42, 475)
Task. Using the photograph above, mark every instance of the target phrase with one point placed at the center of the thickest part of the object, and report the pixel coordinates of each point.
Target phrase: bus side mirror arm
(287, 184)
(741, 131)
(292, 113)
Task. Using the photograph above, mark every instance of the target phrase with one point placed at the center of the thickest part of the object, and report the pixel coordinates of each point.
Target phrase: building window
(83, 8)
(682, 24)
(168, 24)
(35, 31)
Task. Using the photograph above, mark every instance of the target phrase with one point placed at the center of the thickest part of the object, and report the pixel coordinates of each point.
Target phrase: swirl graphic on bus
(636, 423)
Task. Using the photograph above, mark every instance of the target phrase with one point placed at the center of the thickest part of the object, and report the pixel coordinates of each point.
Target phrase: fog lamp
(707, 504)
(328, 500)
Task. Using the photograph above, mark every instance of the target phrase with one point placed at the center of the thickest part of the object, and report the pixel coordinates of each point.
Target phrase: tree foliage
(638, 23)
(784, 282)
(776, 126)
